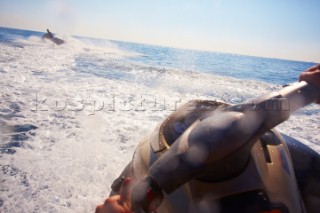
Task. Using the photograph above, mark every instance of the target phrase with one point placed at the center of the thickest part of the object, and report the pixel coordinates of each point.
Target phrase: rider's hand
(312, 75)
(118, 203)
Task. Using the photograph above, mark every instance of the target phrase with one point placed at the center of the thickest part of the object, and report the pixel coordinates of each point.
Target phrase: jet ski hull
(57, 41)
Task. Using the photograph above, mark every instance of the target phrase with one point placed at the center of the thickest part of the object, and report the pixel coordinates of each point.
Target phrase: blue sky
(288, 29)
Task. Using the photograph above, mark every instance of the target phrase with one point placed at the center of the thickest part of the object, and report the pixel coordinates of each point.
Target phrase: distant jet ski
(50, 37)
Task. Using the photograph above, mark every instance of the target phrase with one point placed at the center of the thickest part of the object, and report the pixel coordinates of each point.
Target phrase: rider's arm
(312, 75)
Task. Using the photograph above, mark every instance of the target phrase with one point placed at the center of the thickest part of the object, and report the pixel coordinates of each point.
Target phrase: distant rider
(48, 35)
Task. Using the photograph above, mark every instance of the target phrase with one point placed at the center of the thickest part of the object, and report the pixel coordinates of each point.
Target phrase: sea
(71, 115)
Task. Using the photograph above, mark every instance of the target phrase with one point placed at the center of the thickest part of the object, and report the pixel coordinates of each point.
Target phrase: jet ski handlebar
(225, 137)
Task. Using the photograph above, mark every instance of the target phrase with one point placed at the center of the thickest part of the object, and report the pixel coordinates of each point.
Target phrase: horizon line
(167, 46)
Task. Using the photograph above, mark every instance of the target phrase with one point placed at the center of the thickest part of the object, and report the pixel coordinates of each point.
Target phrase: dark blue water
(8, 35)
(270, 70)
